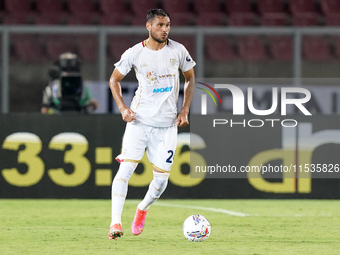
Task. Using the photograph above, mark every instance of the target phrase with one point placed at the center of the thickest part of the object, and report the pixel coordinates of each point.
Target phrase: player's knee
(125, 171)
(161, 178)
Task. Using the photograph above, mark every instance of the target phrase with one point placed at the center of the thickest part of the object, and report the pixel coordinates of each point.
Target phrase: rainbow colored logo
(209, 93)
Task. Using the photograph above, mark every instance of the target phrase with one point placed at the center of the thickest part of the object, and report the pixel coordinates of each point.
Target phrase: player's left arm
(189, 86)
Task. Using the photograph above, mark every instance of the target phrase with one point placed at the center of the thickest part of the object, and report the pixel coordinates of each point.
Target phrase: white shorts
(159, 142)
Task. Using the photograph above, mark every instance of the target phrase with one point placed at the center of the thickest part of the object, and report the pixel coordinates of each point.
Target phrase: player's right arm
(116, 89)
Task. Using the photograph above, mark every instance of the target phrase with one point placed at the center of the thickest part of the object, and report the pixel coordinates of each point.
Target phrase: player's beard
(159, 40)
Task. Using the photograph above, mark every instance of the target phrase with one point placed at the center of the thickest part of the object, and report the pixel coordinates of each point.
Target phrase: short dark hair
(156, 12)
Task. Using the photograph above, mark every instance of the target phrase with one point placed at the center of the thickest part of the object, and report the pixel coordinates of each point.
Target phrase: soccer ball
(196, 228)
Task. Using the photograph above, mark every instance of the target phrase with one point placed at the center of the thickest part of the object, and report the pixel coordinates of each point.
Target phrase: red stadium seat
(241, 19)
(331, 9)
(252, 49)
(140, 7)
(182, 19)
(337, 46)
(270, 6)
(211, 19)
(18, 19)
(332, 19)
(50, 19)
(110, 7)
(203, 6)
(28, 48)
(281, 48)
(274, 19)
(175, 6)
(306, 19)
(82, 19)
(302, 6)
(330, 6)
(219, 48)
(116, 19)
(87, 48)
(117, 45)
(315, 48)
(238, 6)
(20, 6)
(81, 6)
(56, 45)
(188, 42)
(49, 6)
(138, 20)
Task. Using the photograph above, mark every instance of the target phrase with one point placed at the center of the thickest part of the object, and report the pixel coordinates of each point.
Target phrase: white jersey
(157, 72)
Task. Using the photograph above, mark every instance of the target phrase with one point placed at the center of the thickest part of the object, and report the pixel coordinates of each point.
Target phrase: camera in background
(66, 91)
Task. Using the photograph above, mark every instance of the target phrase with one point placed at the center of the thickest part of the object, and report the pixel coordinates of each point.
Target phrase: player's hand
(92, 105)
(182, 120)
(128, 115)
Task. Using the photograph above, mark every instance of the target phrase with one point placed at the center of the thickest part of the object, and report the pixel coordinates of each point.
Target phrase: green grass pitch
(30, 226)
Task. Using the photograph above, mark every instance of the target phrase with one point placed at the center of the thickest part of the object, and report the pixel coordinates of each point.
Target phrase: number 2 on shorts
(169, 159)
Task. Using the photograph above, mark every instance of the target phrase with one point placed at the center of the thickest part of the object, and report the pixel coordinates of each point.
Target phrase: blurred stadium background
(293, 39)
(228, 38)
(73, 156)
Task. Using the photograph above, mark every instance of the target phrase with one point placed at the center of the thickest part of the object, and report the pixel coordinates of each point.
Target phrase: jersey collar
(144, 42)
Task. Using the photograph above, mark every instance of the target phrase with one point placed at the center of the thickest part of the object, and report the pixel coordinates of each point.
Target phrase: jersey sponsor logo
(188, 59)
(162, 90)
(163, 76)
(152, 77)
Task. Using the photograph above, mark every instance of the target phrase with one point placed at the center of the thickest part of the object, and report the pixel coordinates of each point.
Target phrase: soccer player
(152, 117)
